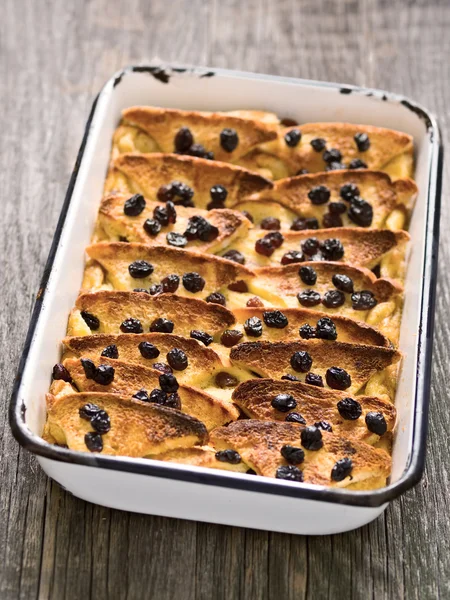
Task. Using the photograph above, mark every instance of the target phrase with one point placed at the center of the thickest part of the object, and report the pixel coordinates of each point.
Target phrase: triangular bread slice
(281, 286)
(109, 268)
(272, 360)
(138, 429)
(114, 225)
(162, 124)
(202, 361)
(111, 309)
(314, 404)
(146, 173)
(259, 443)
(347, 329)
(390, 151)
(131, 378)
(391, 202)
(362, 248)
(203, 456)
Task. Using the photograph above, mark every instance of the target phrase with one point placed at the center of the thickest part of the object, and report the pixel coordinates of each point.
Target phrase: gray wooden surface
(54, 57)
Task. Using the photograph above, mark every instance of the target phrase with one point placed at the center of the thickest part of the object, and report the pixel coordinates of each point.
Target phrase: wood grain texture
(54, 56)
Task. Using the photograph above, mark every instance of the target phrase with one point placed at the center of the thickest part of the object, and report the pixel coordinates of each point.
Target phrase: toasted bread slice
(203, 456)
(282, 285)
(314, 404)
(162, 124)
(131, 378)
(113, 308)
(347, 330)
(202, 362)
(114, 225)
(362, 248)
(390, 209)
(146, 173)
(273, 360)
(390, 151)
(259, 443)
(138, 429)
(109, 268)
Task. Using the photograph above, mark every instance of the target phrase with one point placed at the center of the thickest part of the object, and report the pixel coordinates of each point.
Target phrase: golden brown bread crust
(130, 378)
(315, 404)
(111, 262)
(390, 151)
(162, 124)
(201, 360)
(259, 443)
(203, 456)
(347, 329)
(362, 247)
(112, 308)
(137, 428)
(272, 360)
(114, 225)
(292, 193)
(146, 173)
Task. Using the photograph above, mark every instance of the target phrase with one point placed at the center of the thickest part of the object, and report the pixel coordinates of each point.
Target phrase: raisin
(89, 368)
(110, 351)
(253, 327)
(248, 216)
(311, 438)
(231, 337)
(225, 380)
(308, 275)
(155, 289)
(307, 332)
(152, 227)
(193, 282)
(284, 402)
(134, 205)
(314, 379)
(349, 409)
(60, 372)
(162, 325)
(229, 456)
(161, 215)
(91, 321)
(254, 302)
(158, 396)
(324, 426)
(299, 224)
(291, 257)
(318, 144)
(216, 298)
(301, 361)
(235, 256)
(177, 359)
(206, 232)
(337, 208)
(183, 139)
(331, 220)
(264, 247)
(308, 298)
(93, 441)
(131, 325)
(201, 336)
(342, 469)
(349, 191)
(287, 122)
(332, 155)
(238, 286)
(310, 246)
(319, 195)
(289, 377)
(162, 368)
(333, 299)
(360, 212)
(148, 350)
(199, 151)
(376, 423)
(176, 239)
(335, 166)
(326, 329)
(218, 194)
(229, 139)
(141, 395)
(338, 379)
(140, 269)
(101, 422)
(104, 375)
(342, 283)
(168, 383)
(294, 417)
(170, 283)
(362, 141)
(293, 455)
(173, 401)
(357, 163)
(332, 249)
(270, 223)
(363, 300)
(142, 290)
(88, 411)
(293, 137)
(289, 473)
(275, 318)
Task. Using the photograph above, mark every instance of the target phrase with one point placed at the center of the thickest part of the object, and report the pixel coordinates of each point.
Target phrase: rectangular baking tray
(154, 487)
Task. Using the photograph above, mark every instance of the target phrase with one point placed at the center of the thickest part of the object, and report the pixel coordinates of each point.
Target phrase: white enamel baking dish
(153, 487)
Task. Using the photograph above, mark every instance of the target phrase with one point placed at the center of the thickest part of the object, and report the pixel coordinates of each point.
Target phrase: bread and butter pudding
(242, 298)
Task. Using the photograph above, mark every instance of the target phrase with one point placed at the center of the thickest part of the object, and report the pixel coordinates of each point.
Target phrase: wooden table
(54, 57)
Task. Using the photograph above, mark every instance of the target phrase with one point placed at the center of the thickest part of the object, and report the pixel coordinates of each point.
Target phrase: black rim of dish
(416, 462)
